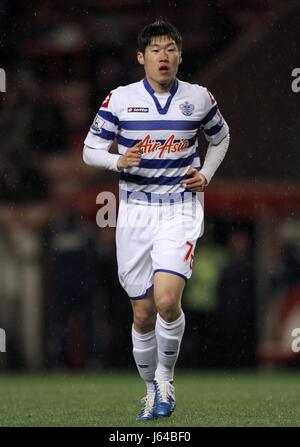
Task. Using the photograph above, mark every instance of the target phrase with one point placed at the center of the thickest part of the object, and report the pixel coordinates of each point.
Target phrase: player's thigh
(168, 289)
(133, 244)
(175, 241)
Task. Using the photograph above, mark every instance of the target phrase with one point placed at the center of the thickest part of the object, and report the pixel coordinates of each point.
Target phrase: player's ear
(140, 58)
(180, 57)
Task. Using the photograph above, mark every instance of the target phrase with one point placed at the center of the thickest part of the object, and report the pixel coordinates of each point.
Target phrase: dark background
(61, 304)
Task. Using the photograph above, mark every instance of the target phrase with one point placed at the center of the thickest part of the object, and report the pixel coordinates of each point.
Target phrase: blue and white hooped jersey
(166, 134)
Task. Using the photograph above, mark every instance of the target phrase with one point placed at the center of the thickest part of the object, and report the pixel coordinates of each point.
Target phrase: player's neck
(160, 88)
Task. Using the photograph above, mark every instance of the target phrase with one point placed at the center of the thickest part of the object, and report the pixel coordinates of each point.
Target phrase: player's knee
(144, 320)
(168, 305)
(170, 314)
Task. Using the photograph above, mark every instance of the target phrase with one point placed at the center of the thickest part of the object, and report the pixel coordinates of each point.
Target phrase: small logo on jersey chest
(138, 109)
(186, 108)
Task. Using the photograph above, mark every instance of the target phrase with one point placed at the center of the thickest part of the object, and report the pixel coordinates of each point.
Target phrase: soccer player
(155, 122)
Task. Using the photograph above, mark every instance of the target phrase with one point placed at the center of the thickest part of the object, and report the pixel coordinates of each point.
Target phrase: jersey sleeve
(104, 128)
(213, 124)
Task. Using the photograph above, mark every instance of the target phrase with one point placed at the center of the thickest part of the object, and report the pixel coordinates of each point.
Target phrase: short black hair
(155, 29)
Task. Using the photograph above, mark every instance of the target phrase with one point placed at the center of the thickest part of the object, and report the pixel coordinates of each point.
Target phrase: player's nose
(163, 57)
(163, 61)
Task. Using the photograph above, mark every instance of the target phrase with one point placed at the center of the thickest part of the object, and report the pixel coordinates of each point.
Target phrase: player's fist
(131, 157)
(196, 181)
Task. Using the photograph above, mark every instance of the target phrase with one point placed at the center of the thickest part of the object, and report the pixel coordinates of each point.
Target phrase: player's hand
(132, 157)
(196, 182)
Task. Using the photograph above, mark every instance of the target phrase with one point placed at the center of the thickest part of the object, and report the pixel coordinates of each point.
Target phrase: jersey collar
(161, 110)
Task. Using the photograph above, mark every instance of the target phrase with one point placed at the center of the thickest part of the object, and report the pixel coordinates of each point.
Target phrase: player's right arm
(131, 157)
(100, 138)
(106, 160)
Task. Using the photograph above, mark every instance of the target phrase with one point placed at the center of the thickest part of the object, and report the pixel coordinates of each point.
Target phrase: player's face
(160, 59)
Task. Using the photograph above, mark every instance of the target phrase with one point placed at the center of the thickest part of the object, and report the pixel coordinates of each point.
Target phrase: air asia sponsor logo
(147, 145)
(138, 109)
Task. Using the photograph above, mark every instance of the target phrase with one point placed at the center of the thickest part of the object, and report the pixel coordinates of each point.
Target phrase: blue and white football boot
(164, 398)
(148, 413)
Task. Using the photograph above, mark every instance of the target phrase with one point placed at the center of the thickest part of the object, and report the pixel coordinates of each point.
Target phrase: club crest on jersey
(186, 108)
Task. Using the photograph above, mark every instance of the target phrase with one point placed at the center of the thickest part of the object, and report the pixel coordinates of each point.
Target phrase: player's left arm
(216, 131)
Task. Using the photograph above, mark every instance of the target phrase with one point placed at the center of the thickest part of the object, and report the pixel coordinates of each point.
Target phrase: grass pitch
(113, 399)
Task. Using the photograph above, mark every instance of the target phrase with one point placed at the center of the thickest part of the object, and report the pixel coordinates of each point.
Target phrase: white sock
(169, 336)
(145, 356)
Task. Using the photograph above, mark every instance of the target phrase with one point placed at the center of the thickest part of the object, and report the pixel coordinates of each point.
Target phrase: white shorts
(153, 239)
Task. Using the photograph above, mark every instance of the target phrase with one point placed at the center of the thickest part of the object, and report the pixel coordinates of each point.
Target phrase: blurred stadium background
(61, 304)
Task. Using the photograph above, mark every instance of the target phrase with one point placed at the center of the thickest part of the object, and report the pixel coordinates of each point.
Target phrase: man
(155, 122)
